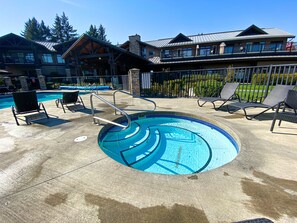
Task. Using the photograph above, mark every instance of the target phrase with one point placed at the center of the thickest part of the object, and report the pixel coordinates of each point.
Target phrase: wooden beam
(95, 55)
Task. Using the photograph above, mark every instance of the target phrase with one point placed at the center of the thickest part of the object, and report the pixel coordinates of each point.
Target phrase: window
(248, 47)
(29, 58)
(151, 53)
(275, 46)
(228, 49)
(167, 54)
(187, 52)
(60, 59)
(143, 52)
(47, 58)
(204, 51)
(256, 47)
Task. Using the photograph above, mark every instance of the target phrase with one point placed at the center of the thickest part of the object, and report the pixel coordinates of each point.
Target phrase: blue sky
(152, 19)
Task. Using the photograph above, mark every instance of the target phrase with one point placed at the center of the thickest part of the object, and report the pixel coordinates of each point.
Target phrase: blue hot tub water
(169, 145)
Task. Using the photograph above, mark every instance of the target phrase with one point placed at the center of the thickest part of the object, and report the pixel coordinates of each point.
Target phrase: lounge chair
(26, 105)
(227, 94)
(70, 98)
(291, 103)
(277, 95)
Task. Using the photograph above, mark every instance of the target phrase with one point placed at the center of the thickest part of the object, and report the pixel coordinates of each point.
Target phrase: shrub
(275, 79)
(208, 88)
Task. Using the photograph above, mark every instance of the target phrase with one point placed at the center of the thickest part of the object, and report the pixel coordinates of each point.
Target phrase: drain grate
(80, 138)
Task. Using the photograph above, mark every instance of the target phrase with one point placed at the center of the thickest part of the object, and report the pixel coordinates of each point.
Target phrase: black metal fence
(255, 82)
(117, 82)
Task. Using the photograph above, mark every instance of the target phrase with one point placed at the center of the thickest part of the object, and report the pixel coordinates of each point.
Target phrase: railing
(96, 118)
(127, 93)
(255, 82)
(234, 50)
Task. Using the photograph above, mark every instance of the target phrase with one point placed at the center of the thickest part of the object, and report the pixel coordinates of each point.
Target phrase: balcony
(230, 51)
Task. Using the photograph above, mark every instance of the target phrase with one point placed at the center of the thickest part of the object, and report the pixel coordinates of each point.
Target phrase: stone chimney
(134, 46)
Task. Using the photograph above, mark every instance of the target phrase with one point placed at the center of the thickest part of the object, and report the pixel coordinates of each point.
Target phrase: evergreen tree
(101, 33)
(56, 31)
(68, 31)
(31, 30)
(45, 32)
(93, 31)
(62, 31)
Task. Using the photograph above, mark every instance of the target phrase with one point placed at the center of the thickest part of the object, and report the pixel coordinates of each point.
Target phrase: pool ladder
(97, 119)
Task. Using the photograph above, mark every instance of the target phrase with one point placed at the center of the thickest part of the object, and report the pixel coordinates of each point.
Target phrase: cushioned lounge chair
(227, 94)
(27, 106)
(277, 95)
(70, 98)
(289, 103)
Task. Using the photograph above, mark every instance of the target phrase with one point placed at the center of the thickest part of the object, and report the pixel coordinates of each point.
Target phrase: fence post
(134, 82)
(268, 81)
(24, 84)
(42, 83)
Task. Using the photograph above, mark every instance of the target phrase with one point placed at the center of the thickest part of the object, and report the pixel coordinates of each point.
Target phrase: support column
(42, 83)
(68, 74)
(134, 82)
(7, 81)
(24, 83)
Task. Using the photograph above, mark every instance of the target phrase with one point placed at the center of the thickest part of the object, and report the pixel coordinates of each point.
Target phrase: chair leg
(14, 115)
(82, 102)
(201, 104)
(57, 102)
(43, 108)
(63, 107)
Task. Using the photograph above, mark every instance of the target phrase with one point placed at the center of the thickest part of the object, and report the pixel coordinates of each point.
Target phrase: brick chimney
(134, 46)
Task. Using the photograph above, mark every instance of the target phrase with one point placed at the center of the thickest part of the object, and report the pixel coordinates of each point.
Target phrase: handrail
(111, 105)
(127, 93)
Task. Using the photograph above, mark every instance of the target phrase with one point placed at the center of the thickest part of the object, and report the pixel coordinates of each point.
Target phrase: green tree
(45, 32)
(31, 30)
(62, 31)
(68, 31)
(101, 33)
(93, 31)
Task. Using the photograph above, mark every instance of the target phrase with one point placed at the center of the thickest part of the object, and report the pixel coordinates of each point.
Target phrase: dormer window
(180, 38)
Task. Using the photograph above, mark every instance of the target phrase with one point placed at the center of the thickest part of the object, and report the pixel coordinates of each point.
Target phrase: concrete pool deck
(45, 176)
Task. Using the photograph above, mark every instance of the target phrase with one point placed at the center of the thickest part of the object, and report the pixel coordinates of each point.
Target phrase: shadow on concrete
(51, 122)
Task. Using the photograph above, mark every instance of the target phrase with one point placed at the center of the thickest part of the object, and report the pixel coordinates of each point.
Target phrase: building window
(151, 53)
(228, 49)
(187, 52)
(47, 58)
(29, 58)
(60, 59)
(275, 46)
(205, 50)
(167, 54)
(143, 52)
(248, 47)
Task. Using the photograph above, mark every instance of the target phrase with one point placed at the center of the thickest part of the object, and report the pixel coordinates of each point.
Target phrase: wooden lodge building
(88, 56)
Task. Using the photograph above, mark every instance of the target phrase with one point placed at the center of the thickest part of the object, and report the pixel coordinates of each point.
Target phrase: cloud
(70, 2)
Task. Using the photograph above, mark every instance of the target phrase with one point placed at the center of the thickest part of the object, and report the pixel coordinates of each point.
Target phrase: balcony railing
(238, 50)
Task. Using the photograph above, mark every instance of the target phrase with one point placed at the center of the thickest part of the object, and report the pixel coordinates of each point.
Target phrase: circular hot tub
(168, 143)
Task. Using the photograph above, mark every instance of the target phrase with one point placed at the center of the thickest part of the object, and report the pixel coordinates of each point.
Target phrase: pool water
(169, 145)
(7, 101)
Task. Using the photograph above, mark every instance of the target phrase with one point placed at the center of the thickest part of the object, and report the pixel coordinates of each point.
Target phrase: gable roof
(222, 37)
(180, 38)
(85, 38)
(252, 30)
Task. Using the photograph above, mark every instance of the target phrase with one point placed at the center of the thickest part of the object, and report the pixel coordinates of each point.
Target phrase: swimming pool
(6, 101)
(167, 143)
(87, 88)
